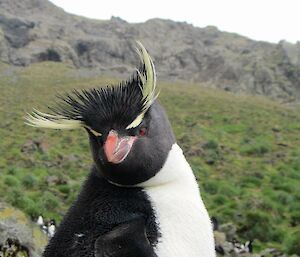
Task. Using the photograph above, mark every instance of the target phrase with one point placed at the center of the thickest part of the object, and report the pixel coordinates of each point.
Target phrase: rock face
(15, 226)
(36, 30)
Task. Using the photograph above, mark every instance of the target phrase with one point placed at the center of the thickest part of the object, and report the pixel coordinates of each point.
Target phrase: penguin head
(131, 156)
(129, 132)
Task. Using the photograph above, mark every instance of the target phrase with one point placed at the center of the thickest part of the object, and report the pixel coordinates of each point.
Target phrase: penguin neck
(175, 169)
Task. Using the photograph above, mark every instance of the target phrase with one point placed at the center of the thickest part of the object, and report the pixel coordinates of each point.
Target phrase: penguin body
(51, 228)
(141, 198)
(175, 220)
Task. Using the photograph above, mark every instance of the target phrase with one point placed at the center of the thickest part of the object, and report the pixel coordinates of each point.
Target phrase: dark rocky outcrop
(36, 30)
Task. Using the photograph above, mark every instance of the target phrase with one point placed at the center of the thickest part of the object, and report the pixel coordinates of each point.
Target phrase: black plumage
(101, 108)
(93, 225)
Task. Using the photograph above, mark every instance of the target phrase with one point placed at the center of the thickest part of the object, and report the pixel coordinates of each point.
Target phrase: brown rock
(55, 180)
(220, 237)
(35, 145)
(230, 230)
(29, 147)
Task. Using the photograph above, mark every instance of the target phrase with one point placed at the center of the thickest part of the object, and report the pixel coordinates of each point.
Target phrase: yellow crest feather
(45, 120)
(148, 84)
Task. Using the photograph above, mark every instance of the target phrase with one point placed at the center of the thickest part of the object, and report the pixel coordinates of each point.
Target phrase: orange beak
(116, 149)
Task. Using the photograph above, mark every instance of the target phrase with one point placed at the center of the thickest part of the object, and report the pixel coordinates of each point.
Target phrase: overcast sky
(267, 20)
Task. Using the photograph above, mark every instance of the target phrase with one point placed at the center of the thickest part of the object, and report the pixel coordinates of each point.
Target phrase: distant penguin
(45, 229)
(249, 246)
(42, 225)
(215, 223)
(141, 198)
(51, 228)
(40, 221)
(243, 248)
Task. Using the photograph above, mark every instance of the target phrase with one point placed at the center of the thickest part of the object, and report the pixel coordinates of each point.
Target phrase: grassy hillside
(245, 152)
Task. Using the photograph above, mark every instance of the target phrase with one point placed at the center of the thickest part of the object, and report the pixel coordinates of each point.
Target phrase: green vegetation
(245, 152)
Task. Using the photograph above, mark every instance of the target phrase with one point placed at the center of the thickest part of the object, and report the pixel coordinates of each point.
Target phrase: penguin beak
(117, 148)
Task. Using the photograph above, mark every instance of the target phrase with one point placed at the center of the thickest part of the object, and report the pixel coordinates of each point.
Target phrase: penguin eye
(142, 131)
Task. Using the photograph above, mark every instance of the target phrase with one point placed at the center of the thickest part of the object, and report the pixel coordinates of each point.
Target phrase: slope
(244, 151)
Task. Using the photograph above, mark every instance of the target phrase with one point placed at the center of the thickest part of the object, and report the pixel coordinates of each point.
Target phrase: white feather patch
(186, 230)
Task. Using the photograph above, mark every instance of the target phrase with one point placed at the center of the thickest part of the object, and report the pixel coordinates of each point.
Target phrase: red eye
(142, 132)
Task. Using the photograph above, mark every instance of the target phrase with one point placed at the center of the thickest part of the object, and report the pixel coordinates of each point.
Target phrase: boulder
(16, 227)
(230, 231)
(35, 145)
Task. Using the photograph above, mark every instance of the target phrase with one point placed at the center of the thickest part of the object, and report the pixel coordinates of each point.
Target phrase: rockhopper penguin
(141, 198)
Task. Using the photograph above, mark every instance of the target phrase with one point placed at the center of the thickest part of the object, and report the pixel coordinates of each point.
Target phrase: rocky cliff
(36, 30)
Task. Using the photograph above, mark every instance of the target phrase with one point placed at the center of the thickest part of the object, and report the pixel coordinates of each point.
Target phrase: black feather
(104, 106)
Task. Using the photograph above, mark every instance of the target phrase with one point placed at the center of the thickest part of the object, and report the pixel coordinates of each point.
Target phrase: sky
(265, 20)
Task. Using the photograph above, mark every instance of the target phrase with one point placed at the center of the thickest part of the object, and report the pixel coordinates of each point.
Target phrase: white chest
(182, 218)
